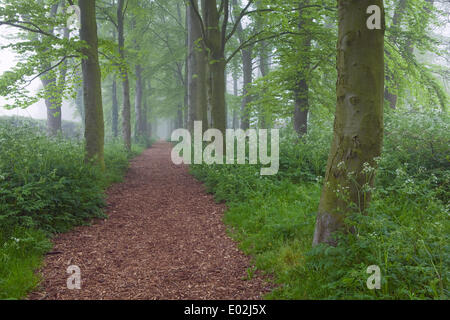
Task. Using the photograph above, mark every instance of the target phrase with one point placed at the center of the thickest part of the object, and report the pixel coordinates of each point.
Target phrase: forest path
(164, 239)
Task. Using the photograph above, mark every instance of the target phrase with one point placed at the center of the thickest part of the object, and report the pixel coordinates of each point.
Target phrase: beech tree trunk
(53, 105)
(247, 68)
(196, 70)
(147, 94)
(126, 110)
(115, 108)
(264, 59)
(301, 91)
(53, 86)
(139, 130)
(236, 93)
(263, 118)
(358, 125)
(92, 89)
(217, 99)
(216, 65)
(301, 107)
(186, 81)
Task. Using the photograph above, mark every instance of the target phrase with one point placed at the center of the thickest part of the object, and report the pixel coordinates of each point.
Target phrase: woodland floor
(164, 239)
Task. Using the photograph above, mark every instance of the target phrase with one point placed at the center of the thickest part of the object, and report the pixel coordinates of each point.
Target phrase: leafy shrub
(305, 158)
(45, 187)
(417, 144)
(44, 183)
(405, 231)
(70, 130)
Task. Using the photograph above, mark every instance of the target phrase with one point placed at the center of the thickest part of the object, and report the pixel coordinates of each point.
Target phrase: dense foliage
(45, 187)
(175, 65)
(405, 232)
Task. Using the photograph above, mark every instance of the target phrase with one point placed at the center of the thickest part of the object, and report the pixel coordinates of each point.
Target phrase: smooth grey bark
(139, 130)
(126, 109)
(235, 123)
(301, 109)
(115, 101)
(79, 103)
(196, 69)
(115, 108)
(358, 125)
(215, 41)
(264, 119)
(186, 77)
(301, 90)
(53, 84)
(94, 127)
(147, 111)
(179, 119)
(264, 59)
(247, 70)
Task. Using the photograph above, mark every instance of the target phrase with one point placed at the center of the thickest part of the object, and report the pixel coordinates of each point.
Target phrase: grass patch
(405, 231)
(21, 253)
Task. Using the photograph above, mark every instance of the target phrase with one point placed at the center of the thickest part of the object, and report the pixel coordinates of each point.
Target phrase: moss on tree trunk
(126, 110)
(196, 76)
(92, 90)
(358, 126)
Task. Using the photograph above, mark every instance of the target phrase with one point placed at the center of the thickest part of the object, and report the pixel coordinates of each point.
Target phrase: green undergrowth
(46, 188)
(405, 231)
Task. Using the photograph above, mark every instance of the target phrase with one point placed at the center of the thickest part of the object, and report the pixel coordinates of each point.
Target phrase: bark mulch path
(164, 239)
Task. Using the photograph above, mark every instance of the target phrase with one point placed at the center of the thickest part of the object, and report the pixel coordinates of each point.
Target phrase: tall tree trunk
(301, 90)
(179, 120)
(115, 108)
(52, 86)
(301, 109)
(186, 80)
(196, 70)
(53, 105)
(216, 65)
(263, 64)
(236, 93)
(358, 126)
(217, 99)
(264, 69)
(126, 110)
(79, 103)
(247, 69)
(147, 94)
(139, 130)
(264, 59)
(115, 102)
(144, 110)
(94, 127)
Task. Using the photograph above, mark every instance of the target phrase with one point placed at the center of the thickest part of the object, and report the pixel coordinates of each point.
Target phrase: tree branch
(248, 43)
(197, 13)
(16, 24)
(238, 20)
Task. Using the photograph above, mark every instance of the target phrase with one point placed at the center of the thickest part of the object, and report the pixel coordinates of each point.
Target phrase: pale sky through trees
(38, 111)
